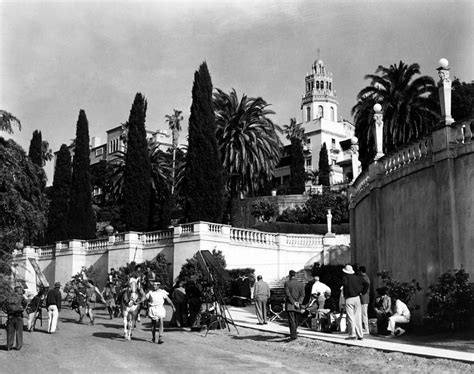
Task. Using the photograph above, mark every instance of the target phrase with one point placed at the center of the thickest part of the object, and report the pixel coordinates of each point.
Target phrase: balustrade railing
(63, 246)
(46, 250)
(119, 237)
(96, 245)
(214, 228)
(361, 183)
(157, 236)
(187, 229)
(407, 155)
(304, 240)
(251, 236)
(464, 131)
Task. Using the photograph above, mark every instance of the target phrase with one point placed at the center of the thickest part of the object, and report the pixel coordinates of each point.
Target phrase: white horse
(132, 297)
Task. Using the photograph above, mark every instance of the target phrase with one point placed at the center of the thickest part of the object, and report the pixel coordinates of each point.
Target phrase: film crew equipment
(215, 274)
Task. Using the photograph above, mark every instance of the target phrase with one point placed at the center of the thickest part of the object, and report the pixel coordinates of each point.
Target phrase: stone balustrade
(157, 236)
(252, 236)
(96, 245)
(46, 251)
(406, 155)
(187, 228)
(464, 131)
(304, 240)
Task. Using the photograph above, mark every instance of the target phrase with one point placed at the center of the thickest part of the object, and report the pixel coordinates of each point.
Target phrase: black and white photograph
(236, 186)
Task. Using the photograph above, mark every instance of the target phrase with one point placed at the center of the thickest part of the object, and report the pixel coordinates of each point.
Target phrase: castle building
(322, 124)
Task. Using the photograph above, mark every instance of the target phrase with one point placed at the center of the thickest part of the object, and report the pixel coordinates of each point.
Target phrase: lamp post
(444, 88)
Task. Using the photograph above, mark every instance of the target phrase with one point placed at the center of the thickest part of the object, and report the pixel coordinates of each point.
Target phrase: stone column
(24, 270)
(355, 158)
(378, 117)
(444, 88)
(70, 259)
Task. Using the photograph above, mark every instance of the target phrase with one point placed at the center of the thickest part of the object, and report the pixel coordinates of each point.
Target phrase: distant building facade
(320, 120)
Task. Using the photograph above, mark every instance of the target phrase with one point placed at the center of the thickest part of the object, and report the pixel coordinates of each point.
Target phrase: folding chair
(276, 309)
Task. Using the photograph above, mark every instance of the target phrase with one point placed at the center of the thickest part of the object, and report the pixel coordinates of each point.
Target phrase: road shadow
(262, 338)
(115, 336)
(112, 325)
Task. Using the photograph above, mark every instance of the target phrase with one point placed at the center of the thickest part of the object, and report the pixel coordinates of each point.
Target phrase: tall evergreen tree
(204, 171)
(81, 219)
(35, 152)
(57, 216)
(295, 134)
(137, 170)
(324, 166)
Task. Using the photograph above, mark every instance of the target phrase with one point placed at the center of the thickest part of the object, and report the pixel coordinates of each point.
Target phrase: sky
(59, 57)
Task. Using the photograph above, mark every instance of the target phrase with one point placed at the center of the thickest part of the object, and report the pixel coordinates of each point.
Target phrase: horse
(131, 300)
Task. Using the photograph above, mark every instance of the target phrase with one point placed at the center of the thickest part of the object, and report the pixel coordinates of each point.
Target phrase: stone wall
(412, 212)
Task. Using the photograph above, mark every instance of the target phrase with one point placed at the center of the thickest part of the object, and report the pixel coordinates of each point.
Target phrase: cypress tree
(81, 219)
(137, 171)
(323, 166)
(58, 209)
(297, 176)
(35, 152)
(204, 171)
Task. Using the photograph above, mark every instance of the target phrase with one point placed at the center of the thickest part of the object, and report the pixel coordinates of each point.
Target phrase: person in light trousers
(53, 304)
(261, 294)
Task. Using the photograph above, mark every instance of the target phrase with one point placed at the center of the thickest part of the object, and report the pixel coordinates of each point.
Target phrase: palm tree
(7, 120)
(248, 142)
(174, 123)
(409, 106)
(295, 131)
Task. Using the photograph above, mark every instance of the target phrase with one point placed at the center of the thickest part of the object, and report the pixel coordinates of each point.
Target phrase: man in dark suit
(294, 291)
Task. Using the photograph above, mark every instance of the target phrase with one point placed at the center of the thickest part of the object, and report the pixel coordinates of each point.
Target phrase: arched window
(308, 114)
(321, 84)
(317, 85)
(330, 86)
(332, 114)
(320, 111)
(308, 87)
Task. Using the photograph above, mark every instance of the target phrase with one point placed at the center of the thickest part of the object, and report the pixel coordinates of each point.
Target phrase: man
(294, 291)
(401, 314)
(383, 310)
(34, 309)
(14, 305)
(53, 305)
(156, 310)
(261, 294)
(353, 287)
(180, 302)
(318, 290)
(364, 300)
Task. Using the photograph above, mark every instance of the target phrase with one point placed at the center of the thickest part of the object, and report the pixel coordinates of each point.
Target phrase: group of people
(315, 298)
(15, 305)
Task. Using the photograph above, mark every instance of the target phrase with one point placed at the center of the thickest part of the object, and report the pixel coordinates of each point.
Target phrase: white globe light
(377, 107)
(354, 140)
(444, 62)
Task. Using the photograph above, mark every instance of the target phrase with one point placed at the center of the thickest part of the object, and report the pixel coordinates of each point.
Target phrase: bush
(451, 300)
(317, 208)
(264, 209)
(399, 290)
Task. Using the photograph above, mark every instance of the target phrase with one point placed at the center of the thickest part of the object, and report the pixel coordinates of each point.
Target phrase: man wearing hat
(353, 287)
(294, 291)
(53, 305)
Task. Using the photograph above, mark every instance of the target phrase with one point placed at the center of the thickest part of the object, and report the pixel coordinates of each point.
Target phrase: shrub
(399, 290)
(317, 208)
(451, 300)
(264, 209)
(300, 228)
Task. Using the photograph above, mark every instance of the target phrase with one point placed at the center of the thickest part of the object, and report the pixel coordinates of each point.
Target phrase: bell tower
(319, 100)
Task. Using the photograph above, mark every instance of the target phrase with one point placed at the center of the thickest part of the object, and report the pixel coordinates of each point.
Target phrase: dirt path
(101, 349)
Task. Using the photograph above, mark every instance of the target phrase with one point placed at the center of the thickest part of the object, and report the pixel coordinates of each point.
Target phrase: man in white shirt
(401, 314)
(318, 290)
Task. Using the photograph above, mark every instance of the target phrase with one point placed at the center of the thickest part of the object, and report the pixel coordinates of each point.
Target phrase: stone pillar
(70, 259)
(23, 270)
(378, 117)
(355, 158)
(444, 88)
(122, 253)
